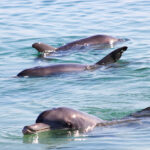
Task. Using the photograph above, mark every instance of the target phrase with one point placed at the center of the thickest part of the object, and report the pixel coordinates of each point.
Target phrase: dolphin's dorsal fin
(112, 57)
(142, 113)
(108, 59)
(43, 48)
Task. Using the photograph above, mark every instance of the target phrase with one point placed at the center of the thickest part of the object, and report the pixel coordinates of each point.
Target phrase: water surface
(106, 93)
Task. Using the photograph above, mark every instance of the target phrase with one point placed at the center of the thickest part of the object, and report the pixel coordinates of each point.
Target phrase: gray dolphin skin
(67, 118)
(112, 57)
(102, 41)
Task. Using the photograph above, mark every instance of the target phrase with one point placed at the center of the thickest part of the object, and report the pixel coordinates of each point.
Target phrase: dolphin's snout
(28, 130)
(37, 127)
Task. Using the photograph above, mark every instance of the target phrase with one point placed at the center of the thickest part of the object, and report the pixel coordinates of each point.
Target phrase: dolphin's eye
(69, 125)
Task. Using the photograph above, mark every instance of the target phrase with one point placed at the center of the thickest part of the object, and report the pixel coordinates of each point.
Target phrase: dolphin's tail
(112, 57)
(43, 48)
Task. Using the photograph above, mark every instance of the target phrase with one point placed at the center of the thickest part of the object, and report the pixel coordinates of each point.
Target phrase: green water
(105, 93)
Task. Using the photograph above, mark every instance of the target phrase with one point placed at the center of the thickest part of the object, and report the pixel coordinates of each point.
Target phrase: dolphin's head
(49, 120)
(62, 118)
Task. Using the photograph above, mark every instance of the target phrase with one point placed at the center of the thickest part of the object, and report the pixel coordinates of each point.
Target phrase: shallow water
(106, 93)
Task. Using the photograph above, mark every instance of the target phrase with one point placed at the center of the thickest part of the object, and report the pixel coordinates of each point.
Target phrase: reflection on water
(57, 137)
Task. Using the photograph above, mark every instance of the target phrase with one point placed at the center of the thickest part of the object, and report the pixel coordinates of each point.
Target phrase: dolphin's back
(71, 118)
(92, 40)
(51, 70)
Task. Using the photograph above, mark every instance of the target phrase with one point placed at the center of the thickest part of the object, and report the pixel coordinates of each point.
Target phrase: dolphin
(96, 42)
(66, 68)
(67, 118)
